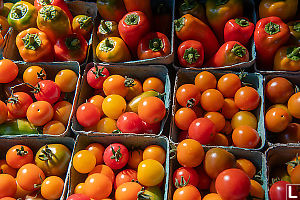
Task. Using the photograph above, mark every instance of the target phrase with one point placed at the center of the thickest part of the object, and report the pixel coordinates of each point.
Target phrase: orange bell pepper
(283, 9)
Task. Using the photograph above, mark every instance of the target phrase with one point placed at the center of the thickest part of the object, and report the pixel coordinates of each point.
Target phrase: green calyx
(46, 154)
(191, 55)
(221, 2)
(21, 151)
(156, 44)
(272, 28)
(49, 13)
(129, 82)
(19, 11)
(293, 53)
(179, 23)
(296, 27)
(239, 50)
(117, 155)
(98, 72)
(188, 5)
(107, 45)
(242, 22)
(32, 41)
(73, 43)
(85, 22)
(132, 19)
(105, 27)
(45, 2)
(142, 196)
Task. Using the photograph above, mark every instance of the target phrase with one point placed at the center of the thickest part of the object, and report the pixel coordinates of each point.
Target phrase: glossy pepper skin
(294, 27)
(54, 22)
(59, 3)
(238, 29)
(83, 25)
(34, 46)
(218, 12)
(194, 8)
(71, 47)
(22, 16)
(284, 9)
(287, 58)
(113, 49)
(132, 27)
(153, 45)
(190, 54)
(112, 10)
(138, 5)
(107, 29)
(230, 53)
(189, 27)
(269, 35)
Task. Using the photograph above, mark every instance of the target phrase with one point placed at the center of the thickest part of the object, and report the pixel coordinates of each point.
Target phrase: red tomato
(18, 104)
(151, 110)
(203, 130)
(127, 175)
(19, 155)
(96, 76)
(47, 90)
(184, 175)
(130, 122)
(151, 128)
(278, 190)
(88, 115)
(78, 197)
(116, 156)
(246, 98)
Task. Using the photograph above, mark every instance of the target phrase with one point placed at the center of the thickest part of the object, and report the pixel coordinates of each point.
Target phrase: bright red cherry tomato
(185, 175)
(96, 76)
(116, 156)
(278, 190)
(88, 115)
(203, 130)
(130, 122)
(47, 90)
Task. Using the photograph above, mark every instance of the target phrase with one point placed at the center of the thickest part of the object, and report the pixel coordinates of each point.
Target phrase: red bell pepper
(190, 54)
(153, 45)
(230, 53)
(132, 27)
(139, 5)
(269, 35)
(238, 29)
(59, 3)
(72, 47)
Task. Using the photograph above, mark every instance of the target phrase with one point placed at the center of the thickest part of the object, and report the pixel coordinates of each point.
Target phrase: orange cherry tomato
(6, 169)
(151, 110)
(153, 83)
(8, 186)
(127, 175)
(97, 186)
(97, 100)
(217, 118)
(30, 175)
(106, 125)
(135, 157)
(3, 112)
(21, 193)
(212, 196)
(279, 90)
(245, 137)
(294, 105)
(246, 98)
(256, 190)
(98, 150)
(8, 71)
(227, 130)
(247, 166)
(84, 161)
(184, 117)
(62, 112)
(220, 140)
(155, 152)
(229, 108)
(105, 170)
(188, 192)
(128, 191)
(276, 120)
(39, 113)
(212, 100)
(79, 189)
(19, 155)
(190, 153)
(244, 118)
(188, 95)
(135, 90)
(205, 80)
(52, 187)
(228, 84)
(66, 80)
(54, 128)
(34, 74)
(117, 84)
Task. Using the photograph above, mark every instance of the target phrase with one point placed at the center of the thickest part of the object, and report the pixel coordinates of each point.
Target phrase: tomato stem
(106, 29)
(116, 154)
(98, 73)
(142, 196)
(293, 53)
(41, 75)
(190, 103)
(21, 152)
(46, 154)
(129, 82)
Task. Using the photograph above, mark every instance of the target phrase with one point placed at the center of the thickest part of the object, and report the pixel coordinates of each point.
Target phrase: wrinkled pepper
(72, 47)
(112, 10)
(34, 46)
(54, 22)
(83, 25)
(238, 29)
(287, 58)
(162, 19)
(284, 9)
(230, 53)
(138, 5)
(4, 26)
(107, 29)
(59, 3)
(22, 16)
(294, 27)
(190, 54)
(132, 27)
(113, 49)
(194, 8)
(218, 12)
(269, 35)
(153, 45)
(189, 27)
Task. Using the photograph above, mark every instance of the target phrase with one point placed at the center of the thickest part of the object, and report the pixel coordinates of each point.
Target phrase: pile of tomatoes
(282, 117)
(211, 109)
(26, 175)
(33, 96)
(117, 171)
(122, 104)
(216, 173)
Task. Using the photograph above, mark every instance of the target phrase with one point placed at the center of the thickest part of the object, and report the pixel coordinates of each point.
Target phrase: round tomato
(155, 152)
(18, 104)
(188, 95)
(247, 166)
(130, 122)
(153, 83)
(135, 157)
(212, 196)
(205, 80)
(190, 153)
(114, 106)
(97, 100)
(98, 150)
(188, 192)
(66, 80)
(54, 128)
(228, 84)
(220, 140)
(8, 186)
(294, 105)
(3, 112)
(127, 175)
(233, 184)
(78, 197)
(244, 118)
(8, 71)
(246, 98)
(295, 175)
(278, 190)
(79, 189)
(245, 137)
(47, 90)
(256, 190)
(151, 128)
(87, 115)
(19, 155)
(229, 108)
(217, 118)
(284, 107)
(84, 161)
(212, 100)
(62, 111)
(276, 120)
(52, 187)
(204, 179)
(34, 74)
(105, 170)
(117, 84)
(185, 175)
(135, 90)
(291, 134)
(6, 169)
(116, 156)
(97, 186)
(279, 90)
(128, 190)
(30, 175)
(39, 113)
(96, 76)
(106, 125)
(203, 130)
(184, 117)
(150, 172)
(151, 110)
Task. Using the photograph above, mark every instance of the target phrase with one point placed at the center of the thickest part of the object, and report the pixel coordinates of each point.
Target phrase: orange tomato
(34, 74)
(247, 166)
(153, 83)
(190, 153)
(6, 169)
(229, 108)
(212, 196)
(188, 192)
(98, 150)
(256, 190)
(52, 187)
(217, 118)
(106, 125)
(276, 120)
(62, 112)
(284, 107)
(294, 105)
(184, 117)
(117, 84)
(220, 140)
(135, 90)
(21, 193)
(3, 112)
(279, 90)
(227, 130)
(30, 175)
(246, 98)
(39, 113)
(228, 84)
(127, 175)
(97, 100)
(8, 186)
(151, 110)
(212, 100)
(135, 157)
(205, 80)
(97, 186)
(128, 191)
(66, 80)
(155, 152)
(54, 128)
(79, 189)
(188, 95)
(291, 167)
(245, 137)
(8, 71)
(244, 118)
(105, 170)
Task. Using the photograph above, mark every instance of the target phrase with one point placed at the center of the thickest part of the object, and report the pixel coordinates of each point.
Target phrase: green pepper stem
(132, 19)
(179, 23)
(49, 13)
(242, 22)
(156, 44)
(272, 28)
(238, 50)
(296, 27)
(105, 27)
(191, 55)
(293, 53)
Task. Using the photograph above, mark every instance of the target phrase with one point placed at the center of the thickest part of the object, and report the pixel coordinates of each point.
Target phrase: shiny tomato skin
(18, 104)
(130, 122)
(40, 113)
(278, 190)
(151, 128)
(188, 192)
(78, 197)
(96, 81)
(188, 95)
(48, 91)
(151, 110)
(185, 174)
(247, 98)
(87, 115)
(127, 175)
(294, 105)
(279, 90)
(203, 130)
(190, 153)
(19, 155)
(122, 152)
(8, 71)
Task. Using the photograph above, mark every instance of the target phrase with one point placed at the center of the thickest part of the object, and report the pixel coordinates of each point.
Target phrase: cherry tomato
(130, 122)
(233, 184)
(96, 76)
(8, 198)
(247, 166)
(84, 161)
(229, 108)
(284, 107)
(114, 106)
(188, 192)
(220, 140)
(244, 118)
(185, 175)
(87, 115)
(34, 74)
(291, 165)
(39, 113)
(54, 128)
(151, 110)
(190, 153)
(8, 71)
(279, 90)
(291, 134)
(66, 80)
(212, 196)
(184, 117)
(135, 90)
(204, 179)
(151, 128)
(127, 175)
(278, 190)
(21, 193)
(153, 83)
(277, 120)
(78, 197)
(227, 130)
(19, 155)
(97, 100)
(203, 130)
(47, 90)
(97, 186)
(98, 150)
(105, 170)
(205, 80)
(155, 193)
(62, 111)
(3, 112)
(150, 172)
(79, 189)
(245, 137)
(256, 190)
(228, 84)
(106, 125)
(116, 156)
(188, 95)
(155, 152)
(246, 98)
(30, 175)
(294, 105)
(135, 157)
(127, 191)
(8, 186)
(6, 169)
(217, 118)
(52, 187)
(117, 84)
(18, 104)
(212, 100)
(295, 175)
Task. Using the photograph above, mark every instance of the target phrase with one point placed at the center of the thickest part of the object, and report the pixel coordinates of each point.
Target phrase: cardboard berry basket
(10, 50)
(185, 76)
(256, 157)
(170, 4)
(138, 72)
(35, 143)
(129, 140)
(249, 12)
(51, 70)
